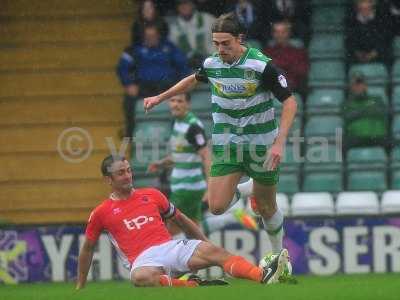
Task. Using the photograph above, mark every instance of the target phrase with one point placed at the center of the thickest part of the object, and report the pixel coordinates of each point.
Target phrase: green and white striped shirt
(242, 106)
(187, 174)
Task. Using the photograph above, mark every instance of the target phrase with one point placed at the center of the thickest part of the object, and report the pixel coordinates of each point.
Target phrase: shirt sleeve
(275, 81)
(196, 137)
(166, 208)
(94, 226)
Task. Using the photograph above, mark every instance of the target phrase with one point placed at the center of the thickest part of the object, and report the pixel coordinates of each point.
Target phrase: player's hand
(150, 102)
(274, 156)
(153, 167)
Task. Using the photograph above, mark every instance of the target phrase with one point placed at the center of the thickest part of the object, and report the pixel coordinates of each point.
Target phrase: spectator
(213, 7)
(291, 59)
(367, 35)
(250, 16)
(148, 14)
(296, 12)
(190, 31)
(364, 115)
(394, 14)
(148, 67)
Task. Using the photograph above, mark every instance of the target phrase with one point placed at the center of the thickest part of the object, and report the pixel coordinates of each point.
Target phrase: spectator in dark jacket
(148, 68)
(367, 35)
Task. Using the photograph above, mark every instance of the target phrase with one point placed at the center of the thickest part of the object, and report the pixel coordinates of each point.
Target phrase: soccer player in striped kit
(246, 138)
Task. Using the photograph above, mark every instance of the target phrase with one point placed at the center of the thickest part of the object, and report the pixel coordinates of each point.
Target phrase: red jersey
(134, 224)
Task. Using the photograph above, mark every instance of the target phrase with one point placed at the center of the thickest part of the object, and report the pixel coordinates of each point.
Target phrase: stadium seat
(396, 128)
(396, 47)
(152, 131)
(158, 112)
(390, 202)
(288, 183)
(395, 157)
(396, 72)
(395, 175)
(145, 181)
(282, 201)
(316, 3)
(367, 180)
(396, 99)
(143, 156)
(357, 203)
(326, 46)
(291, 161)
(327, 18)
(201, 101)
(325, 101)
(312, 204)
(366, 158)
(328, 181)
(323, 126)
(327, 74)
(375, 73)
(208, 126)
(319, 158)
(379, 91)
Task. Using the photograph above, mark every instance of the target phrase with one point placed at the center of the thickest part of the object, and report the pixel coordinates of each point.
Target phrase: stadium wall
(317, 246)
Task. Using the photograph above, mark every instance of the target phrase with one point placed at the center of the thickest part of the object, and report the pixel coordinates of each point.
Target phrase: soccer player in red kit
(134, 221)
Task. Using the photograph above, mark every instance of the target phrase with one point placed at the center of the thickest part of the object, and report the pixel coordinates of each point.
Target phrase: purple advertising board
(321, 246)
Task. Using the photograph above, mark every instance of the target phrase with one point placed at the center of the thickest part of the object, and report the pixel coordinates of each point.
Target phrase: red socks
(238, 267)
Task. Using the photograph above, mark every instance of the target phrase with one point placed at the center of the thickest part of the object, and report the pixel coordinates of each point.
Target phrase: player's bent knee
(142, 279)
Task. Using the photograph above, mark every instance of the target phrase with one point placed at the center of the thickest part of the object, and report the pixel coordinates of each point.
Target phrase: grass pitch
(372, 286)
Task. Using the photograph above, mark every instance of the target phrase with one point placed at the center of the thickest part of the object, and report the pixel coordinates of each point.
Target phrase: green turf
(377, 287)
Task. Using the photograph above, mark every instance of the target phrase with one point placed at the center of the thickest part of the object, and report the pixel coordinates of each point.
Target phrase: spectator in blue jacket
(147, 68)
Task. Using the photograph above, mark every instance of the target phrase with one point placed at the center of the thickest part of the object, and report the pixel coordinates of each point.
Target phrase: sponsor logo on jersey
(233, 88)
(138, 222)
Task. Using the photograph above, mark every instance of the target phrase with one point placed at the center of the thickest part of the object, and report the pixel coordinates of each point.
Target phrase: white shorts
(172, 256)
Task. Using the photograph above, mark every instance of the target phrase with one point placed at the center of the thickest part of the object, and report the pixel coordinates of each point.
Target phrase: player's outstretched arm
(183, 86)
(84, 261)
(189, 227)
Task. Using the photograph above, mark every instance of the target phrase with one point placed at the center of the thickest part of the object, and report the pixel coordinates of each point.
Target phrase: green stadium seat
(375, 73)
(159, 112)
(326, 46)
(396, 72)
(323, 126)
(145, 181)
(327, 74)
(396, 128)
(291, 161)
(316, 3)
(395, 184)
(208, 126)
(152, 131)
(288, 183)
(327, 18)
(395, 156)
(379, 91)
(396, 99)
(323, 182)
(396, 47)
(366, 158)
(368, 180)
(201, 102)
(325, 101)
(321, 158)
(143, 156)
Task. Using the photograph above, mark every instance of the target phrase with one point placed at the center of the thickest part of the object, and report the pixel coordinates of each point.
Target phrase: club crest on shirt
(145, 199)
(249, 74)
